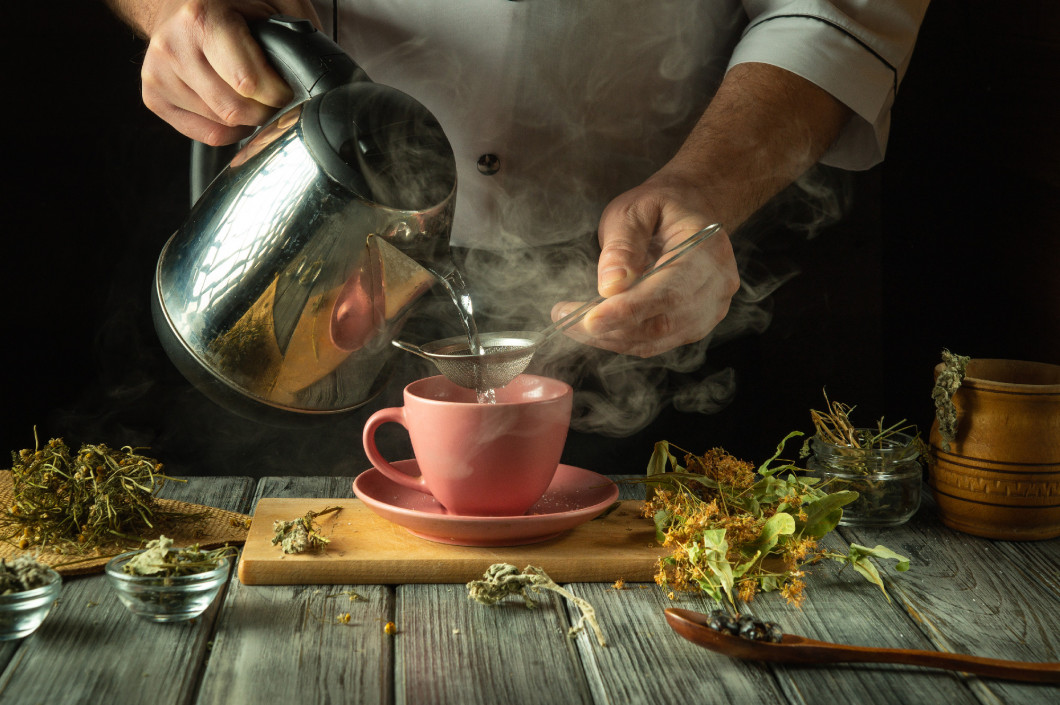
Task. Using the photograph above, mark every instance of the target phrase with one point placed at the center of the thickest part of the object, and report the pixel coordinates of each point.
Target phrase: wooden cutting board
(367, 549)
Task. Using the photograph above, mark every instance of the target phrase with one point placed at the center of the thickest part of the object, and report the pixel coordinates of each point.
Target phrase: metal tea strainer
(505, 355)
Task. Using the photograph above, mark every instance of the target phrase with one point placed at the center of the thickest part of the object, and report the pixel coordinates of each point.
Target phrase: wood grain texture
(92, 649)
(839, 606)
(646, 662)
(283, 644)
(287, 645)
(978, 596)
(452, 650)
(367, 549)
(842, 607)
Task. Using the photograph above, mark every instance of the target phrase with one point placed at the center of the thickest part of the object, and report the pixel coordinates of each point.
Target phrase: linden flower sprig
(735, 531)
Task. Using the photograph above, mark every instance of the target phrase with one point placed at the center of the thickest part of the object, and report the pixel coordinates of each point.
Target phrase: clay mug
(479, 459)
(1000, 476)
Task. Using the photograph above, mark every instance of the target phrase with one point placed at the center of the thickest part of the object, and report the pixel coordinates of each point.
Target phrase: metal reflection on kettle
(280, 294)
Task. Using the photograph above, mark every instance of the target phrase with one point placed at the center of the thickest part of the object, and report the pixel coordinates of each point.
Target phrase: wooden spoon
(797, 649)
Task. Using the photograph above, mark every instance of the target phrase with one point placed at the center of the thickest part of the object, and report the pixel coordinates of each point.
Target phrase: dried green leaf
(823, 515)
(661, 457)
(714, 557)
(662, 519)
(901, 565)
(503, 579)
(160, 558)
(766, 469)
(780, 524)
(301, 534)
(858, 559)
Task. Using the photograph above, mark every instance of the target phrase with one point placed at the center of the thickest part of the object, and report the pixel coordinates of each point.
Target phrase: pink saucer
(574, 497)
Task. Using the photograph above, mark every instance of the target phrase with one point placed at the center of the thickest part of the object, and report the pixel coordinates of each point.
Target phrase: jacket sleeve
(857, 50)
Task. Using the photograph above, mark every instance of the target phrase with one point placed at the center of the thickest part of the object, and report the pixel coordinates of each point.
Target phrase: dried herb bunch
(735, 531)
(86, 500)
(834, 426)
(301, 534)
(503, 579)
(949, 380)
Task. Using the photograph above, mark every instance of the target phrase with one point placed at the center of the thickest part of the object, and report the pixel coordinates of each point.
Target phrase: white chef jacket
(554, 107)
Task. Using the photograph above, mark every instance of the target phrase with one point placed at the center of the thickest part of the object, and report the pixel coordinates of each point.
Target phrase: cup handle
(394, 414)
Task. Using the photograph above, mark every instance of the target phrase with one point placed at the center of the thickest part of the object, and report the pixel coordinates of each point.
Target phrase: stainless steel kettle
(280, 294)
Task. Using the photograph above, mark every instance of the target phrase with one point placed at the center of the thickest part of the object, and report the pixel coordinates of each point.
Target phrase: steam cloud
(515, 283)
(618, 395)
(512, 287)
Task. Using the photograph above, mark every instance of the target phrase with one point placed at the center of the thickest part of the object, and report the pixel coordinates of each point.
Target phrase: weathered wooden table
(283, 644)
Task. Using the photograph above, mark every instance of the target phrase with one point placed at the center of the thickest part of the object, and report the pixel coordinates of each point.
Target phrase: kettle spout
(379, 293)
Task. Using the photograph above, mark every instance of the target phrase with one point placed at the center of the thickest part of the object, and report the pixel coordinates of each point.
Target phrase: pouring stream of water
(454, 284)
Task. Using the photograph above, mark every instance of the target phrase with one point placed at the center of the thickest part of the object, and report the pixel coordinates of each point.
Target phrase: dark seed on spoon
(744, 626)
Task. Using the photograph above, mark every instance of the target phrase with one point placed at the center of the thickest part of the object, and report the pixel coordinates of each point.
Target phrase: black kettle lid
(382, 144)
(375, 140)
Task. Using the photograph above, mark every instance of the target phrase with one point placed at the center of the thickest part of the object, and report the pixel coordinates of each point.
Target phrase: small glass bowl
(22, 612)
(166, 599)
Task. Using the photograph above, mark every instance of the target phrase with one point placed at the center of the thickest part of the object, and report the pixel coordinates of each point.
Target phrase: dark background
(954, 242)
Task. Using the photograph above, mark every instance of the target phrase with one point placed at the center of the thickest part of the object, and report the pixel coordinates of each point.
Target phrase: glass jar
(887, 477)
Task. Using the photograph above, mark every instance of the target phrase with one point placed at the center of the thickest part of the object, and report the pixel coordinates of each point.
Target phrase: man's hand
(682, 302)
(764, 127)
(203, 73)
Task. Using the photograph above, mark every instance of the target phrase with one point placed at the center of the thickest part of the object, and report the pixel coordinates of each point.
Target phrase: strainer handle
(579, 313)
(570, 319)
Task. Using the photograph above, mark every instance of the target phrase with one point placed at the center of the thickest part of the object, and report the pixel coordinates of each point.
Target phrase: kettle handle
(304, 56)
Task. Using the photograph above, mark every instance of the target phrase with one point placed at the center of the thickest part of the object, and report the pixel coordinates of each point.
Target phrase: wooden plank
(647, 662)
(977, 596)
(337, 487)
(286, 645)
(451, 650)
(506, 653)
(842, 607)
(367, 549)
(279, 644)
(92, 649)
(1036, 558)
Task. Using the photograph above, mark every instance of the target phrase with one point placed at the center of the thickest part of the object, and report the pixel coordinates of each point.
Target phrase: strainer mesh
(505, 356)
(490, 370)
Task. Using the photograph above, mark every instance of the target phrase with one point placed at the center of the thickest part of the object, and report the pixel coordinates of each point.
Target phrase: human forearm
(764, 128)
(138, 14)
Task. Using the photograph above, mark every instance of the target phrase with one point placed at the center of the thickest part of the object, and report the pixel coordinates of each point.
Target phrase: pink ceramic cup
(479, 459)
